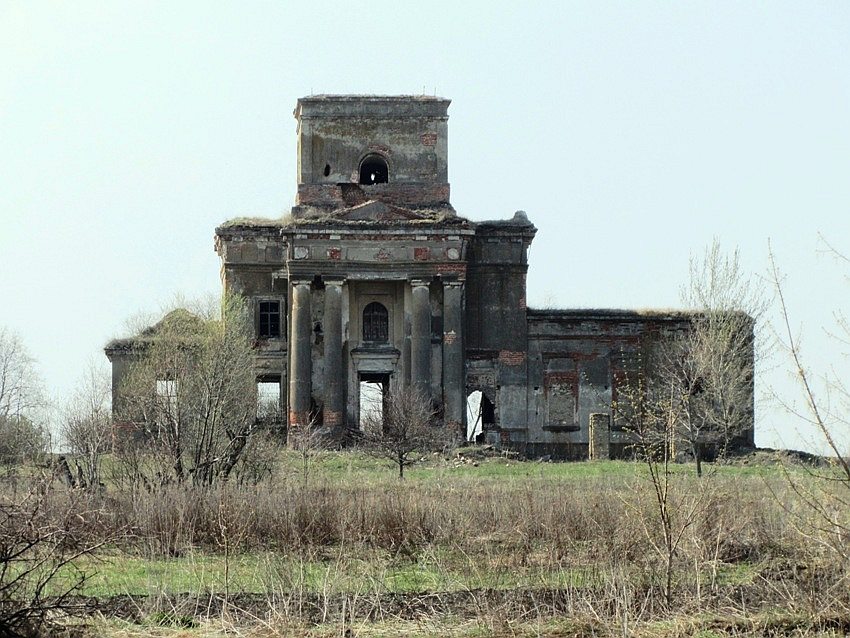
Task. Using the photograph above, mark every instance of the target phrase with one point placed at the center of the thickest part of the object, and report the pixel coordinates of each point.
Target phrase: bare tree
(826, 399)
(86, 426)
(692, 386)
(402, 429)
(310, 441)
(650, 407)
(22, 433)
(192, 393)
(711, 365)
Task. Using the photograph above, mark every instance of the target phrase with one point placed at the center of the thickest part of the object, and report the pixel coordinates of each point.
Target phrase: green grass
(360, 570)
(355, 466)
(351, 569)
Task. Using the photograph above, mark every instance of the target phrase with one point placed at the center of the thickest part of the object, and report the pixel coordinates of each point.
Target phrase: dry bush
(500, 550)
(42, 535)
(588, 520)
(403, 429)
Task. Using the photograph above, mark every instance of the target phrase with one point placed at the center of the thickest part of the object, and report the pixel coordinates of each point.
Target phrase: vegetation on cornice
(324, 218)
(259, 222)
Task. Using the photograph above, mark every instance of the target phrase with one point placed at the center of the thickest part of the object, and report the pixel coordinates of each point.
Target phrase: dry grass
(503, 549)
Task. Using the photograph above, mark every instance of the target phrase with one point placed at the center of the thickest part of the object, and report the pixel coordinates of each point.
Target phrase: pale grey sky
(631, 133)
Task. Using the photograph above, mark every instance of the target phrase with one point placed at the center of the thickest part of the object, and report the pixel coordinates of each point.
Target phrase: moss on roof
(259, 222)
(321, 217)
(177, 321)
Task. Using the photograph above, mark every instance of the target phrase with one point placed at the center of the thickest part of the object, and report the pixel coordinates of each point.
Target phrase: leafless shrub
(403, 430)
(828, 496)
(310, 442)
(41, 538)
(86, 427)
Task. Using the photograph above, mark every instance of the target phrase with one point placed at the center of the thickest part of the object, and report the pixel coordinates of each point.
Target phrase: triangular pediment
(375, 211)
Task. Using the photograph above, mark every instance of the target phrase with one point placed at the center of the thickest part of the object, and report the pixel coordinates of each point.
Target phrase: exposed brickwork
(583, 356)
(335, 254)
(428, 139)
(421, 254)
(298, 419)
(451, 268)
(332, 418)
(480, 380)
(511, 357)
(336, 196)
(567, 377)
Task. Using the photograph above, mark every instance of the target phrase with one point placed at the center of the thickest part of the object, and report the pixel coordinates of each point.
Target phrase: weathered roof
(611, 314)
(371, 214)
(326, 105)
(370, 97)
(178, 320)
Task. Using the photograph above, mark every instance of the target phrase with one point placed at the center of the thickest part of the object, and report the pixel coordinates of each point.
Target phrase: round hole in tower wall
(327, 170)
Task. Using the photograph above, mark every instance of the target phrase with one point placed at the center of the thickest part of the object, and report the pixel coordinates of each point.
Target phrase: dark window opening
(327, 170)
(488, 411)
(436, 327)
(376, 323)
(374, 170)
(269, 319)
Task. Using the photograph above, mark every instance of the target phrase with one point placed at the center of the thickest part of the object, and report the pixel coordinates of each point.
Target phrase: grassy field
(470, 545)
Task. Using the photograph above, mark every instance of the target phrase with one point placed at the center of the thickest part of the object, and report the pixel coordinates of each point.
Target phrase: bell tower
(358, 148)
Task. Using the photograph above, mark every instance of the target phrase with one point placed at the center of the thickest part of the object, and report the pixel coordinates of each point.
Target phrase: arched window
(376, 323)
(374, 170)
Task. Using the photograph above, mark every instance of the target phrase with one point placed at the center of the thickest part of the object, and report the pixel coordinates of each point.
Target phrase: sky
(632, 134)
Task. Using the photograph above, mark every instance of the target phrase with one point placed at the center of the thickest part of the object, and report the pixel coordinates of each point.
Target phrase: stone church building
(375, 279)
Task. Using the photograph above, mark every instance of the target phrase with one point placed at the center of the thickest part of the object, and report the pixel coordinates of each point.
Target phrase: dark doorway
(488, 411)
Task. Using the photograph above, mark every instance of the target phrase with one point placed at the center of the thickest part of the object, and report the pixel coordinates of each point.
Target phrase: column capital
(415, 283)
(300, 282)
(334, 281)
(453, 283)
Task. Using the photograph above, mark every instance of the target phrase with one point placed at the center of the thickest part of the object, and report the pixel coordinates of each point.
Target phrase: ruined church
(374, 278)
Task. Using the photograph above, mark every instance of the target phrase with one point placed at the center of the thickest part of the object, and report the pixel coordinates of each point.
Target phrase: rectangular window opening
(268, 398)
(166, 401)
(269, 327)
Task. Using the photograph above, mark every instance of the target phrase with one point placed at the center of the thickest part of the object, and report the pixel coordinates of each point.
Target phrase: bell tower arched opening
(374, 170)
